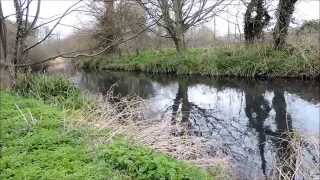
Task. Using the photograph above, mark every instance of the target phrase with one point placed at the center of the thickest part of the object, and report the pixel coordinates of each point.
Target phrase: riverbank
(46, 133)
(236, 62)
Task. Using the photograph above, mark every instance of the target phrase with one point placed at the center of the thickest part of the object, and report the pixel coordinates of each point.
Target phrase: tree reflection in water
(257, 110)
(286, 158)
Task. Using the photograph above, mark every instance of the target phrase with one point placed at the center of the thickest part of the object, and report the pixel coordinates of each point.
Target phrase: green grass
(54, 90)
(238, 61)
(38, 143)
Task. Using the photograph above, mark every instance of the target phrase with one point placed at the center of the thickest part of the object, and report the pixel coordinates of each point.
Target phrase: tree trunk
(255, 19)
(179, 43)
(284, 14)
(110, 27)
(19, 41)
(179, 26)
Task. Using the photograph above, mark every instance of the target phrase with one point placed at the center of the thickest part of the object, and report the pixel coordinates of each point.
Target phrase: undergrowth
(237, 61)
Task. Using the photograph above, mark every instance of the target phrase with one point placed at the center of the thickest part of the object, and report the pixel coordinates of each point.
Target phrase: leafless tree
(284, 15)
(27, 25)
(177, 16)
(116, 19)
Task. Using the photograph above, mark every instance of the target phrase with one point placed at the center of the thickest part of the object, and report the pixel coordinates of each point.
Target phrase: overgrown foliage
(239, 61)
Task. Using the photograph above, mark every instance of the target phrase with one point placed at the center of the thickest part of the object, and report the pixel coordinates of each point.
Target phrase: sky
(305, 10)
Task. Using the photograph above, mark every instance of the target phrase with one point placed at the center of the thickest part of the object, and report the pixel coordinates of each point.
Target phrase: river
(252, 119)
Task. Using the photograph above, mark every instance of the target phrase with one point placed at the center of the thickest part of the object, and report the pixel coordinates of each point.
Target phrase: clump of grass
(51, 89)
(242, 61)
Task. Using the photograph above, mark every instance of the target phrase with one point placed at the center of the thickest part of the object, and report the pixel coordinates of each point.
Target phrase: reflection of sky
(162, 99)
(227, 103)
(305, 116)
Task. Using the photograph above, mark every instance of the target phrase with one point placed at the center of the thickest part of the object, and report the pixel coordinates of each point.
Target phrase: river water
(253, 119)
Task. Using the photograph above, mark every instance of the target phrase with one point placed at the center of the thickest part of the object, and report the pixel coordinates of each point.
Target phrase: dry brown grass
(300, 160)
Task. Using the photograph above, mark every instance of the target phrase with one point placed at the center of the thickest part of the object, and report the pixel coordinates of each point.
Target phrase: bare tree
(284, 14)
(177, 16)
(106, 30)
(25, 28)
(255, 19)
(116, 19)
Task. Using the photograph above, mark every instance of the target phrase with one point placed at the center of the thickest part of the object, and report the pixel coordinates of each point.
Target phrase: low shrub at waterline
(37, 143)
(237, 61)
(51, 89)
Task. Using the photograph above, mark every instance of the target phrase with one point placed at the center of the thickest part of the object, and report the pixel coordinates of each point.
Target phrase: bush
(50, 89)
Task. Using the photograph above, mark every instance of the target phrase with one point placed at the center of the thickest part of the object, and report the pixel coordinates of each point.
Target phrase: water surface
(251, 118)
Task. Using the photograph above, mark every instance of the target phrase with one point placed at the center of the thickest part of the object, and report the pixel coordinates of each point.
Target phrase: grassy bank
(237, 61)
(38, 140)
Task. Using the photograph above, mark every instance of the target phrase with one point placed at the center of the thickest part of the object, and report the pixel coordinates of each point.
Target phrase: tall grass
(241, 61)
(54, 90)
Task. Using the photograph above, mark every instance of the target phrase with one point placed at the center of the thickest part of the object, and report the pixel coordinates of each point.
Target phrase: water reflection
(257, 110)
(253, 119)
(282, 137)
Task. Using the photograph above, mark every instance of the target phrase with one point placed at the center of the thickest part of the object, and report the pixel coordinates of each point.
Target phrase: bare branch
(53, 28)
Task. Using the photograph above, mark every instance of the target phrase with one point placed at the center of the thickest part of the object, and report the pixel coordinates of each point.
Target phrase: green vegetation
(54, 90)
(240, 62)
(39, 142)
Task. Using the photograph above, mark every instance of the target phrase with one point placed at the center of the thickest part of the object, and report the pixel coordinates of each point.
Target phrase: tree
(106, 31)
(116, 19)
(177, 16)
(255, 19)
(26, 28)
(284, 14)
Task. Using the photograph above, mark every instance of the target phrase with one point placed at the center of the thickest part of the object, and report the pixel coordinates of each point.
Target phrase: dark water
(251, 118)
